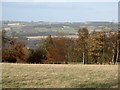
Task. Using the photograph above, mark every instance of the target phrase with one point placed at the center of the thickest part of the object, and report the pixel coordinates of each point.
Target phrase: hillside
(59, 76)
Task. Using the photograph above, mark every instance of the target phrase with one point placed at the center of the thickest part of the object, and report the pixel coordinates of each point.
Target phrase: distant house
(7, 28)
(65, 26)
(13, 24)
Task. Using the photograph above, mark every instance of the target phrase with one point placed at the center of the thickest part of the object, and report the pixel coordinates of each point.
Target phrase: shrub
(37, 56)
(15, 52)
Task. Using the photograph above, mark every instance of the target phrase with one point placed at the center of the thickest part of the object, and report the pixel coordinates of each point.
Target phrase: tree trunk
(114, 56)
(83, 57)
(117, 57)
(118, 48)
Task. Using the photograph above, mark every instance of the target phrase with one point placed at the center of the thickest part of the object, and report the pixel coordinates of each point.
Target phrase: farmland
(59, 76)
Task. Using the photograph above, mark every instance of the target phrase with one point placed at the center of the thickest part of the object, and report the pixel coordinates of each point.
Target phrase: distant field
(44, 37)
(59, 76)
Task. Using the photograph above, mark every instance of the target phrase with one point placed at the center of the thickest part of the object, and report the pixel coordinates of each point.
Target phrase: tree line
(97, 47)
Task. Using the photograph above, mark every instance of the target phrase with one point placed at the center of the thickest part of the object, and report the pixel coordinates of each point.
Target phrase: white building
(13, 24)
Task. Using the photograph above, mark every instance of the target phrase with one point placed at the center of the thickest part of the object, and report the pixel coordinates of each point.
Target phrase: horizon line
(57, 21)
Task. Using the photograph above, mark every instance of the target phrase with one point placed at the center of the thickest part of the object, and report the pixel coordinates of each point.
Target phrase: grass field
(59, 76)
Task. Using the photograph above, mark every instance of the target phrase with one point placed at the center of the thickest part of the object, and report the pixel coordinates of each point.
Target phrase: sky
(60, 0)
(60, 11)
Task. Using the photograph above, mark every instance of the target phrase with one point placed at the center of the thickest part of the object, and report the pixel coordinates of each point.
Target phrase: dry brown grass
(59, 76)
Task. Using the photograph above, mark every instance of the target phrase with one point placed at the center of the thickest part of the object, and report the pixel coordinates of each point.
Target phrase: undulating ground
(59, 76)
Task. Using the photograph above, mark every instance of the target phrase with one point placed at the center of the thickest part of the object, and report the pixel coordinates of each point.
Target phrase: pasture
(59, 76)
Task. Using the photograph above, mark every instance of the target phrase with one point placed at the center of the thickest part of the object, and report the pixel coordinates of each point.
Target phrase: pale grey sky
(60, 11)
